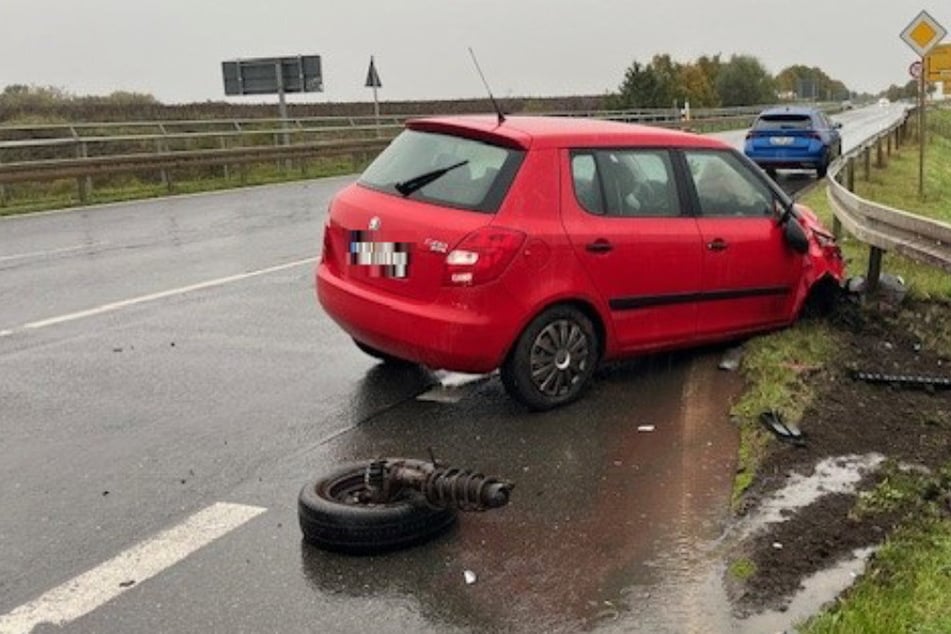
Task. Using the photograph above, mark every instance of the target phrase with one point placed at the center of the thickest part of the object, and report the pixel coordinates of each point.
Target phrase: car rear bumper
(788, 158)
(452, 332)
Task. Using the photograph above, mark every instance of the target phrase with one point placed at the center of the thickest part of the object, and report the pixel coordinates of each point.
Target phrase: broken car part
(382, 505)
(787, 432)
(905, 380)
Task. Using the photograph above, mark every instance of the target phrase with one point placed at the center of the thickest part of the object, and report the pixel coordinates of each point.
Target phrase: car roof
(525, 132)
(793, 110)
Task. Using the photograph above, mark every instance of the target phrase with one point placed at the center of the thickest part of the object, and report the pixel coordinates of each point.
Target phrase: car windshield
(444, 169)
(783, 122)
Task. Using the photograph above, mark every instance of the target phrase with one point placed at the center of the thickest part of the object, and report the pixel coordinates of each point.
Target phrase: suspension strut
(441, 485)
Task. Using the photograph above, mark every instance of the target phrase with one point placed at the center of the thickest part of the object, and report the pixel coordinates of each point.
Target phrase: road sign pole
(921, 134)
(376, 111)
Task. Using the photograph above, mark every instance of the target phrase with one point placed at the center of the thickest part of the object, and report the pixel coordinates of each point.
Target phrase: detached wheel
(333, 517)
(553, 360)
(382, 356)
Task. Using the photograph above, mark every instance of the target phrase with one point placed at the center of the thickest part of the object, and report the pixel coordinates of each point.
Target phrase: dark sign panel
(261, 76)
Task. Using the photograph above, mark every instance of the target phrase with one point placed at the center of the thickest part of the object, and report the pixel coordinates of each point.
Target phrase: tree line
(711, 82)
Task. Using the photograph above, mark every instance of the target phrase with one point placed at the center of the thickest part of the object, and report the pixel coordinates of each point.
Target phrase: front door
(749, 271)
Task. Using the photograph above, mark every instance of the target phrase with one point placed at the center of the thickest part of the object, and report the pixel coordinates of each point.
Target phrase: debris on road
(731, 359)
(910, 381)
(645, 428)
(787, 432)
(385, 504)
(470, 577)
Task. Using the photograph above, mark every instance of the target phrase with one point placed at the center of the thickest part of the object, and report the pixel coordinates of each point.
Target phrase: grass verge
(907, 587)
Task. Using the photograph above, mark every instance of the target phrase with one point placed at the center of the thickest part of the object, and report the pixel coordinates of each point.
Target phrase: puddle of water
(833, 475)
(817, 590)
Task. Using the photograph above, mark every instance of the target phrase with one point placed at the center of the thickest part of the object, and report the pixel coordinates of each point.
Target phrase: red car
(543, 246)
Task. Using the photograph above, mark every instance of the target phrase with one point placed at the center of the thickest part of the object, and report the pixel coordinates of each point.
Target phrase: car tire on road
(333, 519)
(553, 360)
(382, 356)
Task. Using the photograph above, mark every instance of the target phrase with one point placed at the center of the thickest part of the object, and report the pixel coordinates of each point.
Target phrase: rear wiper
(407, 187)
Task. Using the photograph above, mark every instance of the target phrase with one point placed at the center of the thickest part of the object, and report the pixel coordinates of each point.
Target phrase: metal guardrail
(103, 149)
(883, 228)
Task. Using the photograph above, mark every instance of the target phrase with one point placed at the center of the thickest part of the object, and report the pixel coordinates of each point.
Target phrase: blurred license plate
(781, 140)
(386, 259)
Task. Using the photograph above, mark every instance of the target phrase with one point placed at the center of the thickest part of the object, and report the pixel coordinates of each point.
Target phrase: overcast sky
(173, 49)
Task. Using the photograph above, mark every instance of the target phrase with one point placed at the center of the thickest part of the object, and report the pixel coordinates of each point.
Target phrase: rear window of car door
(625, 182)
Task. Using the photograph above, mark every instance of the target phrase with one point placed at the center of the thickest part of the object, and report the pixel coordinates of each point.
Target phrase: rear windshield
(783, 122)
(478, 180)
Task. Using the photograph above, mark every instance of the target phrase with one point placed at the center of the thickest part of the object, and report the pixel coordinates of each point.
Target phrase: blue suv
(793, 138)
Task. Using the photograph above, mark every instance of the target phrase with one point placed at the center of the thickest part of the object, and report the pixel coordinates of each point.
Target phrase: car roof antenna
(495, 104)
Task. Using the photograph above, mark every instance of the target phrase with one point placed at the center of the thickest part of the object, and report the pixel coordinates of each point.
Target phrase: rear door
(623, 214)
(749, 272)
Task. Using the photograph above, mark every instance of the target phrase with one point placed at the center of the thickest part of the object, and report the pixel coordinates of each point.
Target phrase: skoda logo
(375, 223)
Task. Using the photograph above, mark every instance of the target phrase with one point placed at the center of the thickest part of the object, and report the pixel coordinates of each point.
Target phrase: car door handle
(717, 245)
(599, 246)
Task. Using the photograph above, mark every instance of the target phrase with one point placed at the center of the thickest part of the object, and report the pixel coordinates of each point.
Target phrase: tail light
(482, 256)
(814, 135)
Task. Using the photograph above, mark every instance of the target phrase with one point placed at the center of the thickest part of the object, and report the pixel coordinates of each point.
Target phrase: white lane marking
(33, 254)
(5, 333)
(106, 308)
(85, 593)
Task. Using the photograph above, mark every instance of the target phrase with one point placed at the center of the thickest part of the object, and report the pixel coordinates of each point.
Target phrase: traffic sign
(938, 63)
(923, 34)
(373, 78)
(915, 69)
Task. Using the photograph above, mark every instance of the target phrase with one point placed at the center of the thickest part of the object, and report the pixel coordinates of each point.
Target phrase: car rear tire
(332, 518)
(382, 356)
(822, 169)
(553, 360)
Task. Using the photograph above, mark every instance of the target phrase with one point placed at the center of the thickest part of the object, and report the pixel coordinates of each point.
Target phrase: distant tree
(808, 83)
(126, 98)
(665, 83)
(697, 87)
(640, 88)
(744, 81)
(710, 66)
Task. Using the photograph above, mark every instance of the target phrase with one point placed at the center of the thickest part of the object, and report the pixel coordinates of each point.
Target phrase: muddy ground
(910, 428)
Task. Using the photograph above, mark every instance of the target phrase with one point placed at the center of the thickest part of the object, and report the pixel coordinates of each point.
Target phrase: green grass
(742, 569)
(776, 367)
(906, 589)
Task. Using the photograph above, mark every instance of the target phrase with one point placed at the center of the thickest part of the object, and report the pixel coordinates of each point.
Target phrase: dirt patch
(850, 417)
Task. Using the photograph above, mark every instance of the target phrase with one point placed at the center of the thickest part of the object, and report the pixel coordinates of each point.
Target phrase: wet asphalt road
(157, 358)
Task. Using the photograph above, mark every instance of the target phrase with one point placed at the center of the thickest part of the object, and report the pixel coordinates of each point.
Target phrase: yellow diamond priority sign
(923, 34)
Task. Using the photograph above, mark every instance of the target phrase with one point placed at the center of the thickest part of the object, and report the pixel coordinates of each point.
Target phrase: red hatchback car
(543, 246)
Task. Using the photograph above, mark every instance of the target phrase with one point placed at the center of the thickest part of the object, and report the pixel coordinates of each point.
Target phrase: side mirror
(795, 235)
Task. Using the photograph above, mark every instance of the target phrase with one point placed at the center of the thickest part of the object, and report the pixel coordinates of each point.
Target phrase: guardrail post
(224, 146)
(874, 268)
(3, 192)
(161, 145)
(867, 155)
(888, 141)
(879, 154)
(84, 183)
